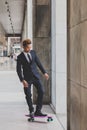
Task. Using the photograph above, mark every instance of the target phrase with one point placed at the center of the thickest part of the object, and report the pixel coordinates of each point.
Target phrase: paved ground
(13, 107)
(6, 63)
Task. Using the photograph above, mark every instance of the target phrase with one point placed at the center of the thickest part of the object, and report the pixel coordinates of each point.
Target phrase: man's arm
(39, 64)
(19, 72)
(41, 67)
(18, 69)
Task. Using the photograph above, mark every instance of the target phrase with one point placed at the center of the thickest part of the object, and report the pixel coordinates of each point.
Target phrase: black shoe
(39, 114)
(31, 114)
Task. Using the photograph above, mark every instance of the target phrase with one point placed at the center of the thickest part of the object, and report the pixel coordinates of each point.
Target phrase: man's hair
(26, 42)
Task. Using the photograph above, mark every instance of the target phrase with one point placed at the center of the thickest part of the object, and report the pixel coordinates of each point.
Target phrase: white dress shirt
(27, 56)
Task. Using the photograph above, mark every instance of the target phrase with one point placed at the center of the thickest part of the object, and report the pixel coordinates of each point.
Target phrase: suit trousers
(40, 92)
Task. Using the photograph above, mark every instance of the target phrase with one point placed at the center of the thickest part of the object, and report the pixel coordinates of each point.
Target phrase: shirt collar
(26, 52)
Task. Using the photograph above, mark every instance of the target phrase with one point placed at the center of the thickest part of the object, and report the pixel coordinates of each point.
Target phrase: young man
(27, 63)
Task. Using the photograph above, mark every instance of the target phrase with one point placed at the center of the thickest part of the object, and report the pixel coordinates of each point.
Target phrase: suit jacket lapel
(25, 58)
(31, 55)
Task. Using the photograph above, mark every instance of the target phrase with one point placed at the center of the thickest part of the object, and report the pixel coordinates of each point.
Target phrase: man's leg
(28, 94)
(40, 91)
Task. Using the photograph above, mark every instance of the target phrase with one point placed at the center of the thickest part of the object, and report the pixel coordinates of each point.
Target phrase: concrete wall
(77, 65)
(2, 34)
(28, 23)
(2, 31)
(24, 32)
(42, 40)
(25, 27)
(30, 19)
(3, 43)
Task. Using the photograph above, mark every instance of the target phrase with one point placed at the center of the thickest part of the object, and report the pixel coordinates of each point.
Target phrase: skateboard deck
(40, 118)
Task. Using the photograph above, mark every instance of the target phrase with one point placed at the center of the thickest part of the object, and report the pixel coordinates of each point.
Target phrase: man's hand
(46, 76)
(25, 83)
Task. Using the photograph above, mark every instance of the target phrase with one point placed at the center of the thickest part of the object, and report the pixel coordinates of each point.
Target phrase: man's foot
(31, 114)
(39, 114)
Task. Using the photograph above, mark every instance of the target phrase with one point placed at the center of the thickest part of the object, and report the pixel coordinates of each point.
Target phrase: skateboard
(40, 118)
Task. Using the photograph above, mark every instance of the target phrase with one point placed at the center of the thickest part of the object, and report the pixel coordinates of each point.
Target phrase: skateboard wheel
(49, 119)
(31, 119)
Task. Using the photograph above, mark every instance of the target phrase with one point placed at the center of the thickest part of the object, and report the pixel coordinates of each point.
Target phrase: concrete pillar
(25, 33)
(29, 19)
(59, 55)
(42, 40)
(27, 26)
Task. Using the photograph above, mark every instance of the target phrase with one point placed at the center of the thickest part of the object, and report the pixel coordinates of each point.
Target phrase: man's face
(28, 48)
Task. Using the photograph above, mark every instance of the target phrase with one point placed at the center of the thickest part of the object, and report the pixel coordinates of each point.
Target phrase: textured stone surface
(77, 65)
(42, 21)
(75, 107)
(84, 54)
(42, 47)
(41, 40)
(68, 104)
(75, 12)
(43, 2)
(83, 108)
(83, 9)
(75, 54)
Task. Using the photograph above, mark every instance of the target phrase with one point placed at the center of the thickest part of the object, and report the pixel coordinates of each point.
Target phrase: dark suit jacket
(27, 71)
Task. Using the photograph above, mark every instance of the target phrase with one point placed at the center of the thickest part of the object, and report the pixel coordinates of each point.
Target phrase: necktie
(29, 58)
